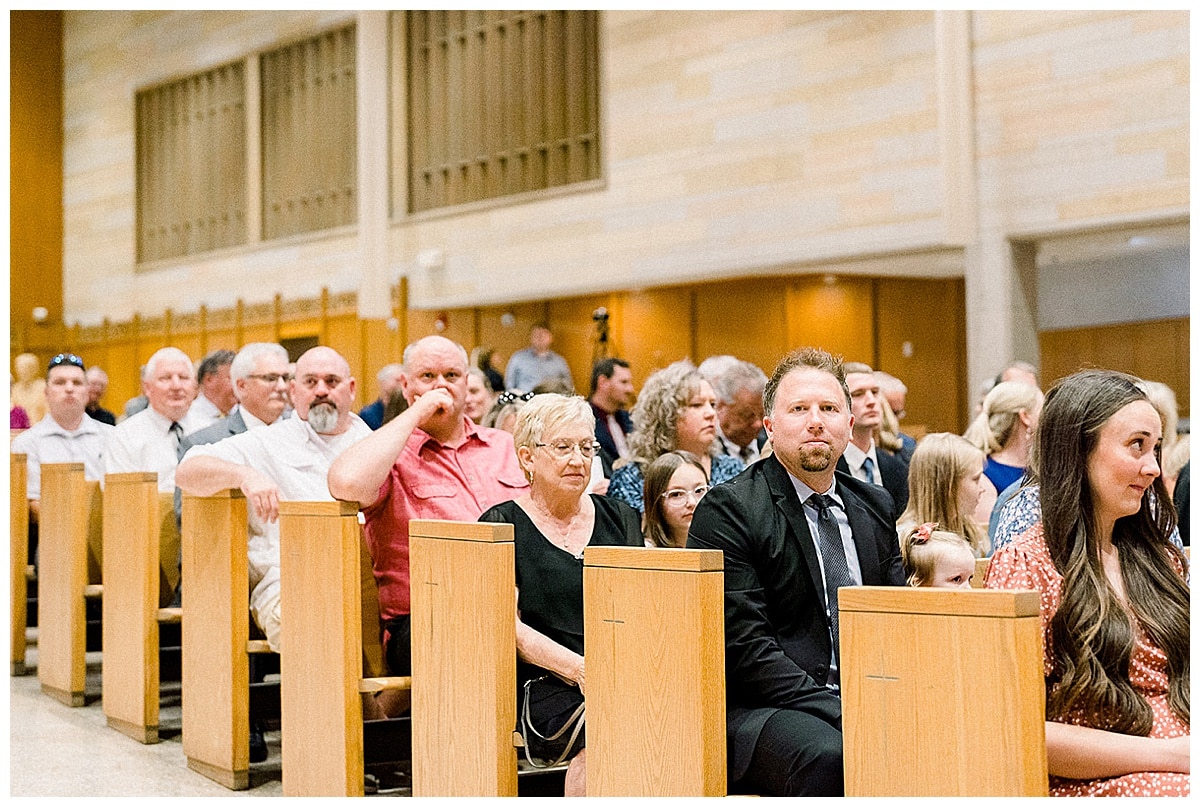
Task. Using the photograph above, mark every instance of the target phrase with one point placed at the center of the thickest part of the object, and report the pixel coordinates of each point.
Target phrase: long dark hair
(1092, 632)
(658, 479)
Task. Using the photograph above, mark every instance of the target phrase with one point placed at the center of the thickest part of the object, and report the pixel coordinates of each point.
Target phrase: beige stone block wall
(735, 143)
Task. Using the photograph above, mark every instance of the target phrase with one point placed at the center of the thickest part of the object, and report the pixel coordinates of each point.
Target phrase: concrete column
(371, 76)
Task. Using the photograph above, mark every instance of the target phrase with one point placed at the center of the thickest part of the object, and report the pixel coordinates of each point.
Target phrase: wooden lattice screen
(500, 103)
(191, 164)
(309, 148)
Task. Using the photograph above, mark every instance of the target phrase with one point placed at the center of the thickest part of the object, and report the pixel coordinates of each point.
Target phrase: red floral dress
(1026, 564)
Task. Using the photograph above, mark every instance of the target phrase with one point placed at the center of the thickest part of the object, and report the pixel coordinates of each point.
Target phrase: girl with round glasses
(675, 483)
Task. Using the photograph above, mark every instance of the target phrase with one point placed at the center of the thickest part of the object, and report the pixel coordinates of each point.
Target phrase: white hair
(244, 362)
(166, 353)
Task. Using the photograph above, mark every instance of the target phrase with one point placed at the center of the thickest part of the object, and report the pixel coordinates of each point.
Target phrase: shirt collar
(470, 432)
(855, 455)
(804, 491)
(86, 426)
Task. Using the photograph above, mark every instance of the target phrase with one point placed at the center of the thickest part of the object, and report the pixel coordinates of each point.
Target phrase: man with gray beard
(288, 460)
(793, 530)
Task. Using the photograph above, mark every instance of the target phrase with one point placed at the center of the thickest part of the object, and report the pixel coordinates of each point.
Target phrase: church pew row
(70, 550)
(140, 571)
(464, 661)
(18, 534)
(942, 692)
(218, 697)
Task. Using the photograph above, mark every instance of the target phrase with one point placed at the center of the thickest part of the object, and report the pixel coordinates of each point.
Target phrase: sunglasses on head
(65, 358)
(508, 397)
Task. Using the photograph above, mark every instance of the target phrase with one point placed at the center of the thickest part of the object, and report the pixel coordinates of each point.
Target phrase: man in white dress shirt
(148, 442)
(288, 460)
(216, 397)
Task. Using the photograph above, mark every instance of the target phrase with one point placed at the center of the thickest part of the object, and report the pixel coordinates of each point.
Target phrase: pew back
(134, 582)
(18, 534)
(320, 658)
(69, 548)
(216, 670)
(655, 656)
(464, 658)
(942, 692)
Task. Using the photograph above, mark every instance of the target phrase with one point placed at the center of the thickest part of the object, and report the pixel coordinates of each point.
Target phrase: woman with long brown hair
(1115, 604)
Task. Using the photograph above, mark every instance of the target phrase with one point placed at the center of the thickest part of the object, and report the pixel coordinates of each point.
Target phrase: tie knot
(819, 501)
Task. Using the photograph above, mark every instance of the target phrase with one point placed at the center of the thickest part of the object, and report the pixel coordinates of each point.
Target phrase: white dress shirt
(144, 443)
(856, 457)
(295, 458)
(49, 442)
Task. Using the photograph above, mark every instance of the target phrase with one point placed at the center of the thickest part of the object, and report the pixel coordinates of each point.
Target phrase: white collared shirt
(202, 414)
(47, 441)
(144, 443)
(855, 457)
(295, 458)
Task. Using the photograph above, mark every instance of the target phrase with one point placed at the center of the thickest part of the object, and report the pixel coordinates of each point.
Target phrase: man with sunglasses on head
(66, 433)
(286, 460)
(430, 461)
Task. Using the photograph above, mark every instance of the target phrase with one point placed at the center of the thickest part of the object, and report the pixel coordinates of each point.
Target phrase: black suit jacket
(894, 472)
(777, 644)
(608, 448)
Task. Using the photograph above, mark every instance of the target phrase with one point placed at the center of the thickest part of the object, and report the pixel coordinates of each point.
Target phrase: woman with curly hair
(1115, 604)
(676, 410)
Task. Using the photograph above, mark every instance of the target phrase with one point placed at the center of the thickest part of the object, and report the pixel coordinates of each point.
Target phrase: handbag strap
(576, 719)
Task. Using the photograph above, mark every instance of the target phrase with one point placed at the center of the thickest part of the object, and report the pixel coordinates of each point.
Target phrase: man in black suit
(793, 531)
(863, 458)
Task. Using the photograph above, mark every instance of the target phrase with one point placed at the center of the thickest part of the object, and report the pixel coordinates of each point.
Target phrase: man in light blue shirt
(537, 363)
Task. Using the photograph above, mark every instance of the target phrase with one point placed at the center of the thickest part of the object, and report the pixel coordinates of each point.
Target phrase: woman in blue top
(1004, 432)
(676, 410)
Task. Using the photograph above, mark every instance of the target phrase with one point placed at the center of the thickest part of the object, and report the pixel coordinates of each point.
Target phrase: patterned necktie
(869, 470)
(833, 558)
(176, 432)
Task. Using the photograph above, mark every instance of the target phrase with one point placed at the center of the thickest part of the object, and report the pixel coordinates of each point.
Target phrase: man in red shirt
(430, 461)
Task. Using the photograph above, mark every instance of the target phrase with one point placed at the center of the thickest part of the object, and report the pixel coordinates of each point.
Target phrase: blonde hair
(997, 423)
(922, 546)
(547, 412)
(887, 434)
(936, 472)
(1162, 398)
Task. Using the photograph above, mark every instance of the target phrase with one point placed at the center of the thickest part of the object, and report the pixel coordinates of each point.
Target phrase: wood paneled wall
(1157, 351)
(912, 328)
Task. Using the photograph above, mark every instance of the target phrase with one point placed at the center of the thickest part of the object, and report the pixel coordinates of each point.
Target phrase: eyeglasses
(311, 381)
(563, 449)
(509, 397)
(65, 358)
(677, 496)
(273, 378)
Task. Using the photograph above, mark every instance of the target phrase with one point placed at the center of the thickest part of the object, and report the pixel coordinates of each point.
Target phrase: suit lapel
(784, 493)
(862, 528)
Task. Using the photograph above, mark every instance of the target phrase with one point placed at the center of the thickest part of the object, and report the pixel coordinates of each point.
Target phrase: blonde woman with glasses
(555, 440)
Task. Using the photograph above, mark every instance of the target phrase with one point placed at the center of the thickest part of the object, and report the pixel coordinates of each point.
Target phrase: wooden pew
(140, 563)
(69, 570)
(942, 692)
(18, 534)
(216, 639)
(322, 649)
(654, 622)
(464, 658)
